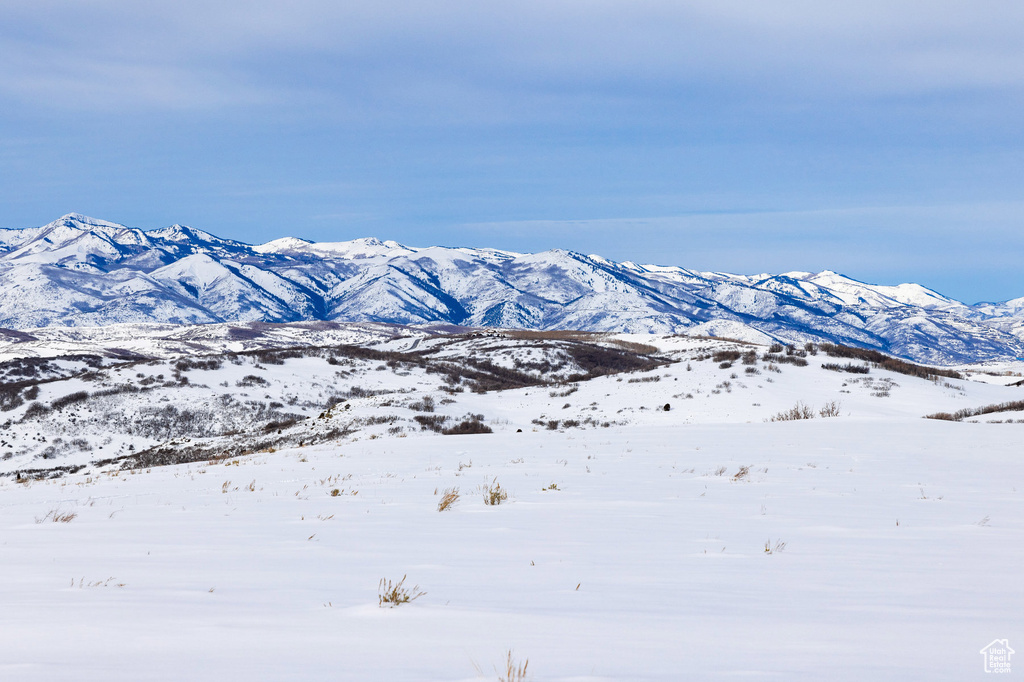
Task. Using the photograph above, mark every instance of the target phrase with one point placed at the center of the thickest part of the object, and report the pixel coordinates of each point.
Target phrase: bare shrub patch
(494, 494)
(393, 594)
(448, 498)
(798, 411)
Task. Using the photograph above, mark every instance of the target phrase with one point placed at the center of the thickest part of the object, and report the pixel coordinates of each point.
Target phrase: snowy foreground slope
(903, 547)
(79, 272)
(635, 543)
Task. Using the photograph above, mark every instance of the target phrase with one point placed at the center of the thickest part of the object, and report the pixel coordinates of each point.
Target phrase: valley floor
(841, 549)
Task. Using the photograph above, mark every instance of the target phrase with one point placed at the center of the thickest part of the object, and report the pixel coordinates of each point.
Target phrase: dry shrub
(960, 415)
(633, 347)
(514, 670)
(474, 423)
(883, 361)
(643, 380)
(726, 356)
(830, 409)
(848, 367)
(392, 594)
(793, 359)
(494, 494)
(798, 411)
(425, 405)
(431, 422)
(57, 516)
(71, 399)
(450, 497)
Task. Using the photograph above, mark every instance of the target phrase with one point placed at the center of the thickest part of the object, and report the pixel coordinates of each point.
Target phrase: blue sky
(879, 139)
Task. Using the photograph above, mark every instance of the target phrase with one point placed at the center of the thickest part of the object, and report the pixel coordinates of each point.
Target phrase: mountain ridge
(82, 271)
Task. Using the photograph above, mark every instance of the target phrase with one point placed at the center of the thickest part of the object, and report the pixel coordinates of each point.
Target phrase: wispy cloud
(418, 54)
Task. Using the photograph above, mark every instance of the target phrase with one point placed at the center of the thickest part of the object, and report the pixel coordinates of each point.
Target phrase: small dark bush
(644, 380)
(795, 360)
(960, 415)
(277, 356)
(70, 399)
(10, 398)
(430, 422)
(35, 410)
(882, 361)
(848, 367)
(726, 356)
(279, 425)
(425, 405)
(205, 364)
(600, 361)
(474, 424)
(360, 392)
(798, 411)
(118, 390)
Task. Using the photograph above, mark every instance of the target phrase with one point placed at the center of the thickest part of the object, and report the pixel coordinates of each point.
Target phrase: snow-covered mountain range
(80, 271)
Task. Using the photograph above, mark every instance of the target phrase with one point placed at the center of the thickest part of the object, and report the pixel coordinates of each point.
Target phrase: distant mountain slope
(79, 271)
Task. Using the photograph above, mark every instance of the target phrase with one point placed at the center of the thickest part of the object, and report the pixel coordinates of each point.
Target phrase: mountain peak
(282, 245)
(363, 247)
(83, 222)
(183, 233)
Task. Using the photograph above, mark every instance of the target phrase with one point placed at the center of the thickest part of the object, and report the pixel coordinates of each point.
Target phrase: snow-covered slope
(633, 543)
(71, 396)
(224, 500)
(79, 271)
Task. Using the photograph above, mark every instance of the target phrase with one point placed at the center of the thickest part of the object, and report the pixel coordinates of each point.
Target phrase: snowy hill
(618, 506)
(74, 396)
(80, 271)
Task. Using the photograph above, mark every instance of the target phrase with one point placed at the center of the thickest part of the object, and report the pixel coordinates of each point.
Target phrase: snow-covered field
(701, 542)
